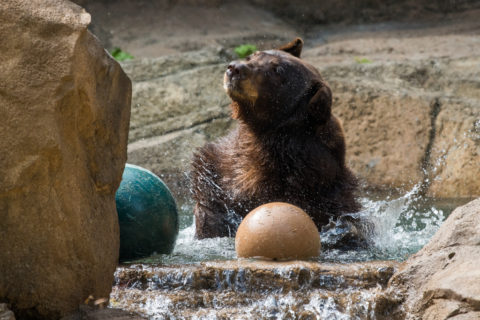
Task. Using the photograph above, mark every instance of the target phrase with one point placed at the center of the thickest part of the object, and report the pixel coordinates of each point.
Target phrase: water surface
(403, 224)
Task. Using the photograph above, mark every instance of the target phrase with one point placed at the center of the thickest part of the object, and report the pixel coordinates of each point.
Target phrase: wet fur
(291, 151)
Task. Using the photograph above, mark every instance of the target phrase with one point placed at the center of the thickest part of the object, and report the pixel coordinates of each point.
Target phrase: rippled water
(402, 225)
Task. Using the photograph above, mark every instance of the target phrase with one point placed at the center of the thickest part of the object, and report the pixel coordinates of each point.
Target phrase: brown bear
(287, 147)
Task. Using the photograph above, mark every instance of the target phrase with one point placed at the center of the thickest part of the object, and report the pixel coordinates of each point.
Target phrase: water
(402, 225)
(243, 289)
(293, 305)
(203, 279)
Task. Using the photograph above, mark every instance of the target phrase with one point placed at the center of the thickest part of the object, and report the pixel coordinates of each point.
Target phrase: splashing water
(402, 226)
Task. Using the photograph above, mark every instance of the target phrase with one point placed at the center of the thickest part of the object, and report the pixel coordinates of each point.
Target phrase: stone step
(255, 276)
(350, 303)
(240, 289)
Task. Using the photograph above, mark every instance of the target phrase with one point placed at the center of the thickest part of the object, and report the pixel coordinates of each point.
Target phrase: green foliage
(362, 60)
(120, 55)
(245, 50)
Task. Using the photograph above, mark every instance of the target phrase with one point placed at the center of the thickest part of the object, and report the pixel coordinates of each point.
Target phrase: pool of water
(402, 224)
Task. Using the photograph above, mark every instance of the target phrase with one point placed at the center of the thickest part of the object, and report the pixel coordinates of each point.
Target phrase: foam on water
(402, 225)
(315, 304)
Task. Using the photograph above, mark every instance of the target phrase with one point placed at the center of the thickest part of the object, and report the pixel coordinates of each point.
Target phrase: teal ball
(147, 214)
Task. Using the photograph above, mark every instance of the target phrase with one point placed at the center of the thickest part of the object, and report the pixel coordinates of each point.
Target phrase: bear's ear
(294, 47)
(320, 105)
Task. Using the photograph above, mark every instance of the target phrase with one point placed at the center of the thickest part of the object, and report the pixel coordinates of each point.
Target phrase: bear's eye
(256, 53)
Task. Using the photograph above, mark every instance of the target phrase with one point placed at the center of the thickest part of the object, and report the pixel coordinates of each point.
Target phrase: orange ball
(278, 231)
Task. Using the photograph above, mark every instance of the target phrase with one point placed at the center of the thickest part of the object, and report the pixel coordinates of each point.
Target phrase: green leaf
(363, 60)
(120, 55)
(245, 50)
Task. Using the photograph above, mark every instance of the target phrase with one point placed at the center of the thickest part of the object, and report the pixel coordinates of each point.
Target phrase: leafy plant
(120, 55)
(362, 60)
(245, 50)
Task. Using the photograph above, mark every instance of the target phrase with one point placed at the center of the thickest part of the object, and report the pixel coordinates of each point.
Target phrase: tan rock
(455, 155)
(411, 123)
(442, 279)
(466, 316)
(65, 108)
(387, 134)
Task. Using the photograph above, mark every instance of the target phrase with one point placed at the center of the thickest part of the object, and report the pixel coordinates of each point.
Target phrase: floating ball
(278, 231)
(147, 214)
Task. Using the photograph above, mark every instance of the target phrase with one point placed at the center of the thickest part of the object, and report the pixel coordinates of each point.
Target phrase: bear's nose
(235, 68)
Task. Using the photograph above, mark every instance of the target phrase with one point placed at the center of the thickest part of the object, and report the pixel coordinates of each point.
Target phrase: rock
(398, 135)
(5, 313)
(91, 313)
(65, 106)
(178, 105)
(404, 110)
(147, 28)
(454, 160)
(405, 127)
(441, 280)
(305, 14)
(231, 289)
(381, 129)
(406, 123)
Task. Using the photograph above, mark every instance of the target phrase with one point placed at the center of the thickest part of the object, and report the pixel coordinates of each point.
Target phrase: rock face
(406, 123)
(65, 107)
(362, 11)
(178, 105)
(442, 280)
(408, 98)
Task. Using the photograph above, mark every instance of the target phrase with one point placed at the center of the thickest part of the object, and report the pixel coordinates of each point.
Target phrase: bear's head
(275, 88)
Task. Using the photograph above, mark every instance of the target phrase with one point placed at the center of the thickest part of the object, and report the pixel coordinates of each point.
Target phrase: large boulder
(65, 106)
(442, 280)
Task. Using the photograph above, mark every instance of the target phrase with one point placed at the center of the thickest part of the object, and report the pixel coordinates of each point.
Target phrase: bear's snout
(235, 76)
(236, 69)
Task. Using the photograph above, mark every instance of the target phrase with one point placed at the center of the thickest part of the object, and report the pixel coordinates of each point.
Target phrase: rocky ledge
(232, 289)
